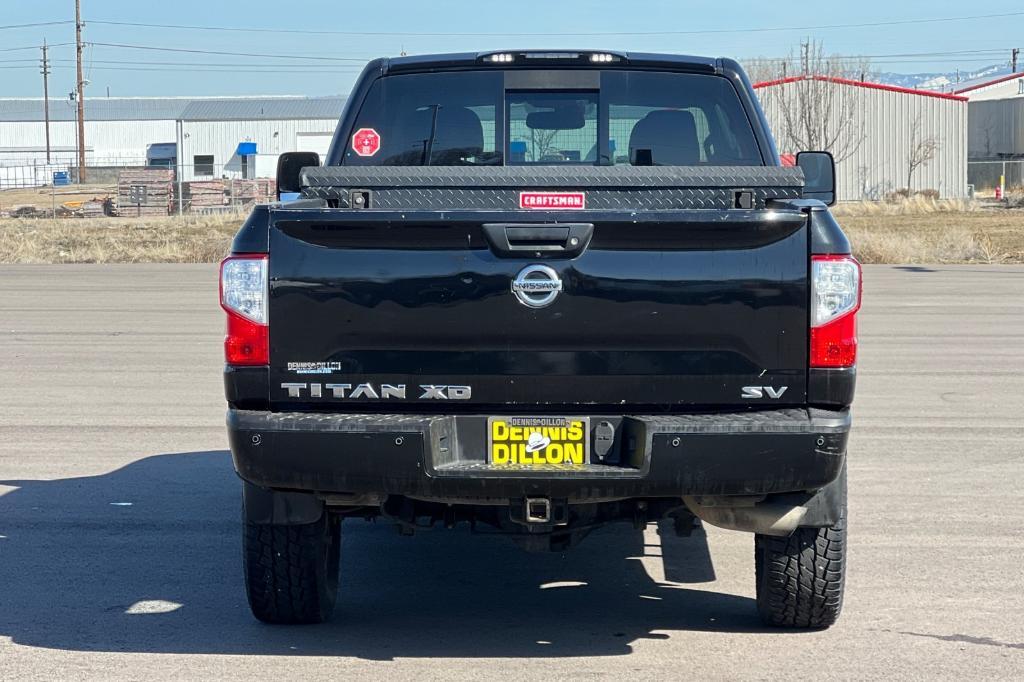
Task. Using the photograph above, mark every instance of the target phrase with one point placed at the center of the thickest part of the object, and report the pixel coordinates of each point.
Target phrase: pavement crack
(967, 639)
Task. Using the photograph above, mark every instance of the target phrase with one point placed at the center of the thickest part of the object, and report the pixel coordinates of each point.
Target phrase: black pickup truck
(542, 292)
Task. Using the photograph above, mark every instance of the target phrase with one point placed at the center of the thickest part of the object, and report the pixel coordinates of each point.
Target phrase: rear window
(468, 118)
(676, 119)
(437, 119)
(552, 127)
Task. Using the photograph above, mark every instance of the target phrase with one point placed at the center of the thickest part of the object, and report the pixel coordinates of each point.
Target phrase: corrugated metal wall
(883, 121)
(107, 142)
(996, 129)
(125, 142)
(220, 139)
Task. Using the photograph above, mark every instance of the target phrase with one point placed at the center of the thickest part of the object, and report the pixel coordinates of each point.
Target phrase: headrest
(666, 137)
(459, 134)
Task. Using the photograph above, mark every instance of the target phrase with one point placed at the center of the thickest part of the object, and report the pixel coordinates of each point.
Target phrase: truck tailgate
(661, 310)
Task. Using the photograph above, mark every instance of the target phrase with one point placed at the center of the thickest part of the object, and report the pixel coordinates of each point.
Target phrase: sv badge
(758, 392)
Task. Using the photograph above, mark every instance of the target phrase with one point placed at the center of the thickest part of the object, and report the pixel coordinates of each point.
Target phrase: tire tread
(801, 578)
(290, 577)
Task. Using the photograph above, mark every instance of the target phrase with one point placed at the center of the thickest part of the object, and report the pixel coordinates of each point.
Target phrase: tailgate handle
(562, 239)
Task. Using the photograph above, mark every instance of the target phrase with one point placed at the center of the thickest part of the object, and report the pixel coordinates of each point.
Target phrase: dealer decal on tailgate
(538, 441)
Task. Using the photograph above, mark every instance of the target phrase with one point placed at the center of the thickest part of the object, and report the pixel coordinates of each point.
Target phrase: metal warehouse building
(1002, 87)
(880, 125)
(217, 137)
(997, 129)
(995, 141)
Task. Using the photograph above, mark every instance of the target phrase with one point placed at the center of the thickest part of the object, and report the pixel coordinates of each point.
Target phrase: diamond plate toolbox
(640, 188)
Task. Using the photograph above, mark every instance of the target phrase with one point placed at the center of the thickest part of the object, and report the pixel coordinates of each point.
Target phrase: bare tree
(540, 143)
(983, 131)
(762, 69)
(808, 60)
(922, 149)
(813, 112)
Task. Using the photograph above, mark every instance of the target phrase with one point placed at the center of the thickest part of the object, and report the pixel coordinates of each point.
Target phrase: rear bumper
(442, 457)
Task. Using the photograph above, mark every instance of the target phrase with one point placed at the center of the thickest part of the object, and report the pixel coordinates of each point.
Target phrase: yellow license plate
(538, 441)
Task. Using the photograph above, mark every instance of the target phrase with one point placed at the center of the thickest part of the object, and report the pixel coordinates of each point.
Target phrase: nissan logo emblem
(536, 286)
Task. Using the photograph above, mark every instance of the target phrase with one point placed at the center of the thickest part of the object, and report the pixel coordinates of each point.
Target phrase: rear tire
(800, 578)
(291, 571)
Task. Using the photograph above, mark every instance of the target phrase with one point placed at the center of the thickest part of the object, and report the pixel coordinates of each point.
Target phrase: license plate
(538, 441)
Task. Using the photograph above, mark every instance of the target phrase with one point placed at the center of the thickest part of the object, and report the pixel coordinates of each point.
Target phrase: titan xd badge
(369, 391)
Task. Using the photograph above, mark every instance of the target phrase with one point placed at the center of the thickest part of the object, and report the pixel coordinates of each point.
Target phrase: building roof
(265, 108)
(175, 108)
(98, 109)
(862, 84)
(979, 83)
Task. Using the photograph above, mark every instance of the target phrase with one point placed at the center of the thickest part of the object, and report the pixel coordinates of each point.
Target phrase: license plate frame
(563, 449)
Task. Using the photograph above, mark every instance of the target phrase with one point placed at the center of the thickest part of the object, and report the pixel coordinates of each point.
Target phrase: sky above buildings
(317, 47)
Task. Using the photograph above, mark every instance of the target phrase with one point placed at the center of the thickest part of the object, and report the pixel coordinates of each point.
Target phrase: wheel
(800, 578)
(291, 572)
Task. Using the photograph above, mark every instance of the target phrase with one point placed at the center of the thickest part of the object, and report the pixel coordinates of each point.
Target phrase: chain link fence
(128, 187)
(28, 185)
(987, 176)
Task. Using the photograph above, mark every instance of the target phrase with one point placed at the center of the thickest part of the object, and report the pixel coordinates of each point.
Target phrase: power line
(951, 53)
(869, 24)
(222, 64)
(960, 55)
(347, 68)
(341, 68)
(247, 68)
(41, 23)
(940, 53)
(30, 47)
(972, 60)
(231, 54)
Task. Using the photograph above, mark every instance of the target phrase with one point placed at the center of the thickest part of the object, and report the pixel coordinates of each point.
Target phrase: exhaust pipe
(765, 518)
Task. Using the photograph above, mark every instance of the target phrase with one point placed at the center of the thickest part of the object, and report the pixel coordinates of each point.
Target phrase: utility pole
(805, 51)
(81, 91)
(72, 97)
(46, 100)
(1013, 59)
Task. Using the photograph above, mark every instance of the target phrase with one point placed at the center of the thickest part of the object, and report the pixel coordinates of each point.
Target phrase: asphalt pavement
(119, 516)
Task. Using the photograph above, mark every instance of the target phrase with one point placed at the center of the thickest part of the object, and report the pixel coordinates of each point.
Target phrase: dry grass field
(913, 231)
(922, 231)
(188, 239)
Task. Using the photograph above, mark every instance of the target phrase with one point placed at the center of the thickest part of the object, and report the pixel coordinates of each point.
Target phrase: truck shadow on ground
(147, 559)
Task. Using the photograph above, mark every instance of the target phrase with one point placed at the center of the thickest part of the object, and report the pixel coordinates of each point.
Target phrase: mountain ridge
(941, 81)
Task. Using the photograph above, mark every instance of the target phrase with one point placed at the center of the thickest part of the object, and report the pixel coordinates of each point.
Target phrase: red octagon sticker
(366, 142)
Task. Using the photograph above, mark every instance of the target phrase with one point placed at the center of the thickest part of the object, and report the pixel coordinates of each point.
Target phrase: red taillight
(835, 300)
(243, 295)
(246, 343)
(835, 344)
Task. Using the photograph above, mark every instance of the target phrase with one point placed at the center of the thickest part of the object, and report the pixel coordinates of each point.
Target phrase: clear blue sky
(128, 72)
